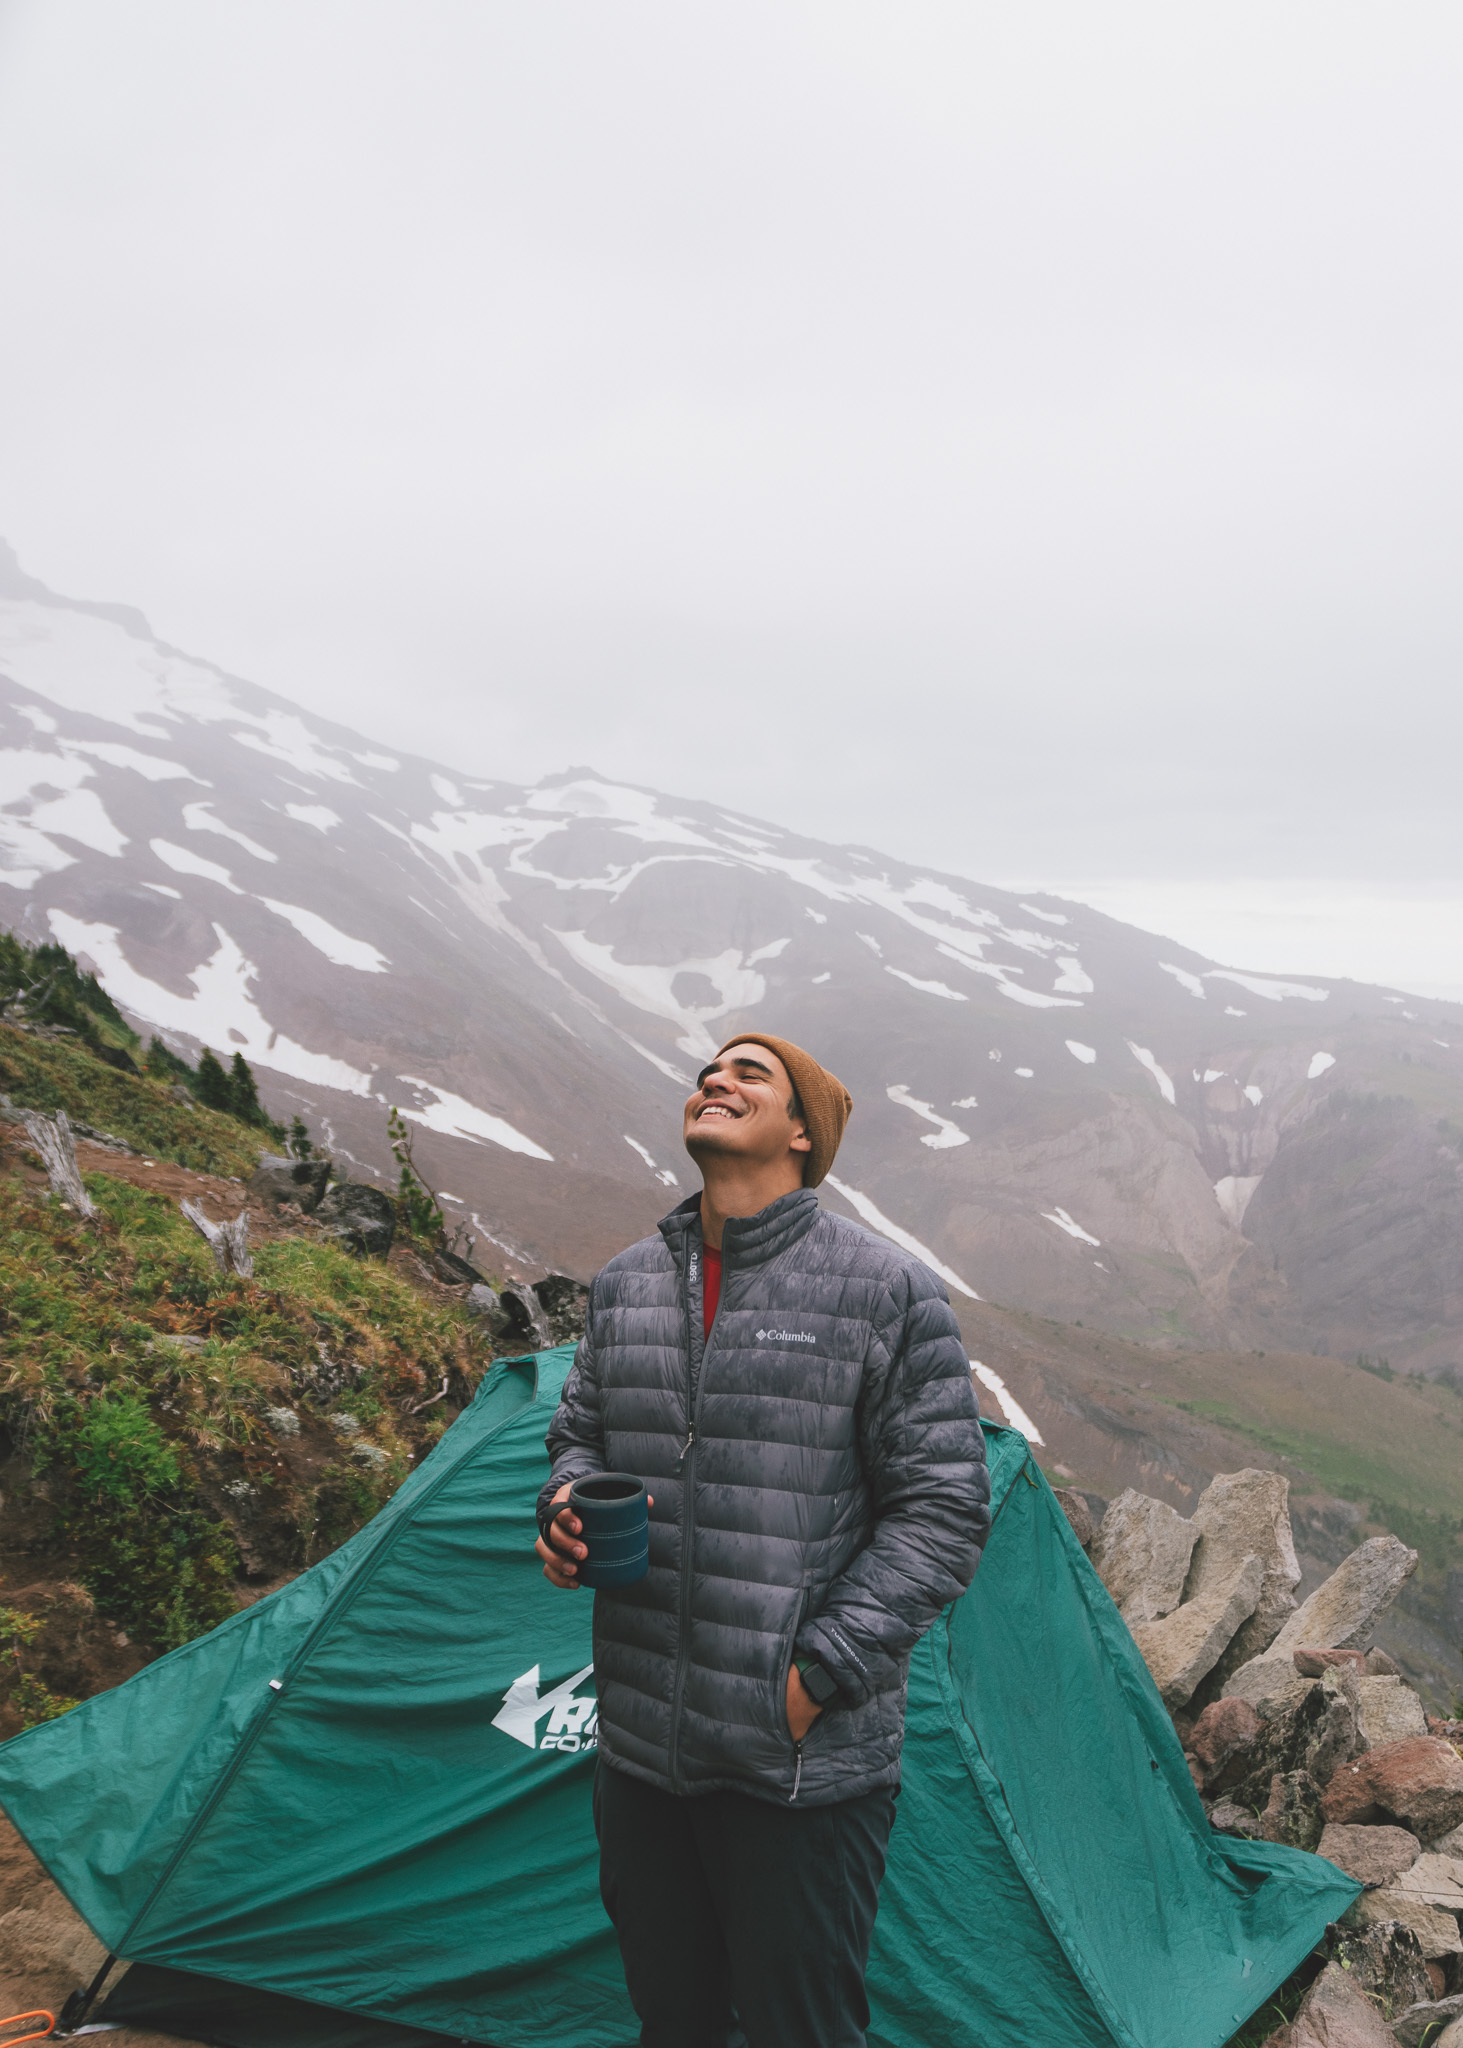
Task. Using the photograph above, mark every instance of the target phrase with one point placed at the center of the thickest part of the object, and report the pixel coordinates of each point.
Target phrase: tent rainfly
(357, 1814)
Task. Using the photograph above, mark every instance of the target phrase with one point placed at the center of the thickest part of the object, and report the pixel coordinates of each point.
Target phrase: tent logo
(573, 1723)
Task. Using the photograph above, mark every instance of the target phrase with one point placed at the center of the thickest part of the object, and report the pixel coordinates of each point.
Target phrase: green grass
(45, 1075)
(129, 1431)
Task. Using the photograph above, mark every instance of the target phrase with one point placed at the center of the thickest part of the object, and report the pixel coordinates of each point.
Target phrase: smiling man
(797, 1397)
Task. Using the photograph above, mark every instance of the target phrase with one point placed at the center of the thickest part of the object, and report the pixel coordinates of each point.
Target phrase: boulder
(1293, 1812)
(1416, 1783)
(565, 1301)
(1228, 1819)
(277, 1179)
(527, 1324)
(1311, 1663)
(1390, 1711)
(1077, 1512)
(1372, 1856)
(1240, 1515)
(1438, 1880)
(1223, 1729)
(1142, 1554)
(1185, 1645)
(1312, 1731)
(1420, 2023)
(1450, 1844)
(1341, 1612)
(1384, 1960)
(361, 1216)
(1380, 1665)
(1336, 2013)
(1451, 2036)
(455, 1271)
(1436, 1930)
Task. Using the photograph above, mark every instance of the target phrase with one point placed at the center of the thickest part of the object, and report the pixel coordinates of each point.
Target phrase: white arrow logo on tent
(522, 1709)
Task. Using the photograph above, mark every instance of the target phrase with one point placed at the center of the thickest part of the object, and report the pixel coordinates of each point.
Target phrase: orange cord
(14, 2021)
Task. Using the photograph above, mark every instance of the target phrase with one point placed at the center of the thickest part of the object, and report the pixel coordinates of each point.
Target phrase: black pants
(726, 1903)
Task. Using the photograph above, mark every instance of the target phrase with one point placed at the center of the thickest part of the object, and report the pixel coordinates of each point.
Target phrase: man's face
(740, 1110)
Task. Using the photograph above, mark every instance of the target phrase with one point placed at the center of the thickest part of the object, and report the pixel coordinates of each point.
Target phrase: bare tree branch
(229, 1242)
(53, 1140)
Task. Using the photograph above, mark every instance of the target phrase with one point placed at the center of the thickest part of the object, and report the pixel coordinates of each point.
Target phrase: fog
(1024, 439)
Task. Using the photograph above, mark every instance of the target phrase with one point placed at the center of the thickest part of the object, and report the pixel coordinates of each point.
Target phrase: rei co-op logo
(573, 1721)
(786, 1337)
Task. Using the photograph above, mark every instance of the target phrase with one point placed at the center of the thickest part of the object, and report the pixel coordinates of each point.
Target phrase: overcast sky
(1024, 438)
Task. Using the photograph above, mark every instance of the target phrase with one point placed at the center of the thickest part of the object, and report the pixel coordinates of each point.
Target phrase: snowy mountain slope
(1065, 1113)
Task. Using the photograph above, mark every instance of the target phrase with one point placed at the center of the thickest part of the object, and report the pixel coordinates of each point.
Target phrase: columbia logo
(786, 1337)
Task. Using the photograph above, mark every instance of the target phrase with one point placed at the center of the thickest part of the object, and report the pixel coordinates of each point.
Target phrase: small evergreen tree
(164, 1064)
(212, 1086)
(244, 1092)
(299, 1146)
(416, 1204)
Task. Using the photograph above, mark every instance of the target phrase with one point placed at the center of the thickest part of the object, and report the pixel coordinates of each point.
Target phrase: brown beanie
(827, 1104)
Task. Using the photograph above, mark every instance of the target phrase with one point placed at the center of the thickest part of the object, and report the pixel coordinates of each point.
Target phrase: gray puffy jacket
(820, 1488)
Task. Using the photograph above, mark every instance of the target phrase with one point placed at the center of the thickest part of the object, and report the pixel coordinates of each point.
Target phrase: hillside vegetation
(178, 1438)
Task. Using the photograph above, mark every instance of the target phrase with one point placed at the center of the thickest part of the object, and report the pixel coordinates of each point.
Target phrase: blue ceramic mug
(614, 1517)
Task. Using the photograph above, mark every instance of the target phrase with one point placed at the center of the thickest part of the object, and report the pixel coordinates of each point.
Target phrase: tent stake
(80, 2003)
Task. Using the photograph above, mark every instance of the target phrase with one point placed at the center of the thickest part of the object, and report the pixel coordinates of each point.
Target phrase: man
(796, 1395)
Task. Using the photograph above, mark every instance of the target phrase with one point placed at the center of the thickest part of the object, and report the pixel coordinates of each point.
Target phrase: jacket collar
(746, 1240)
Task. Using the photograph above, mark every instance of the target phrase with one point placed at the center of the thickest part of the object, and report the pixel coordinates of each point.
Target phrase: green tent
(357, 1814)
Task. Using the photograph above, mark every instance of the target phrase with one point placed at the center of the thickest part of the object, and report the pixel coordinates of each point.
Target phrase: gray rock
(1311, 1730)
(1339, 1614)
(1380, 1665)
(1293, 1812)
(1077, 1512)
(1451, 2036)
(1437, 1880)
(1240, 1515)
(1185, 1645)
(1423, 2020)
(1227, 1818)
(1436, 1930)
(1450, 1844)
(1373, 1856)
(1384, 1960)
(362, 1216)
(1336, 2013)
(277, 1179)
(1142, 1554)
(483, 1300)
(1390, 1711)
(528, 1325)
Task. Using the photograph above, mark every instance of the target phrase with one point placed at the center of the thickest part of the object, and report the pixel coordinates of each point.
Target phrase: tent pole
(80, 2003)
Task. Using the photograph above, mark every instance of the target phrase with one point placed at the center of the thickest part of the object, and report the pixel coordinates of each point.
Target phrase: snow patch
(662, 1173)
(1209, 1075)
(1254, 1095)
(1319, 1063)
(79, 814)
(318, 815)
(1074, 978)
(1015, 1415)
(1086, 1053)
(1233, 1195)
(1047, 916)
(1035, 1000)
(182, 862)
(946, 1134)
(456, 1118)
(928, 988)
(1025, 1073)
(41, 720)
(1230, 1012)
(871, 942)
(200, 818)
(1064, 1222)
(221, 1010)
(1145, 1059)
(1186, 980)
(818, 916)
(286, 737)
(151, 767)
(738, 987)
(826, 976)
(877, 1220)
(162, 889)
(966, 1102)
(378, 761)
(337, 946)
(768, 952)
(1262, 985)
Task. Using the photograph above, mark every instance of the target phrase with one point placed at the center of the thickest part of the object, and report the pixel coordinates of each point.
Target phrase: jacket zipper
(688, 1504)
(797, 1776)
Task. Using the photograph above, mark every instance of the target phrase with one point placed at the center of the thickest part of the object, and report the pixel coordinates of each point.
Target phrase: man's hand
(561, 1562)
(563, 1553)
(802, 1709)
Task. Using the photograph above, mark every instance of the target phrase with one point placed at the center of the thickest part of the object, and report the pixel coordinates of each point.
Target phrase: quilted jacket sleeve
(575, 1441)
(924, 1455)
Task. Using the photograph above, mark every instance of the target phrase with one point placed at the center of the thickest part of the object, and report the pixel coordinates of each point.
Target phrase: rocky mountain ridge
(1060, 1112)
